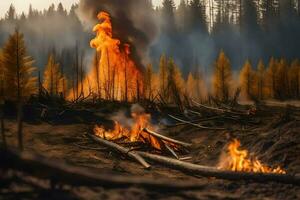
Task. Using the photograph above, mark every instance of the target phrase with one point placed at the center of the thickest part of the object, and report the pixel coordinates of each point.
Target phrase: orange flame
(239, 161)
(115, 75)
(133, 134)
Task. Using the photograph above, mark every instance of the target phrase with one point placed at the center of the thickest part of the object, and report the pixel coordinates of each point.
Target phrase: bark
(121, 149)
(207, 171)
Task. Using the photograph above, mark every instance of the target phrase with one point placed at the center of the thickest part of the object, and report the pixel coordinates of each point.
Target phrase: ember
(239, 160)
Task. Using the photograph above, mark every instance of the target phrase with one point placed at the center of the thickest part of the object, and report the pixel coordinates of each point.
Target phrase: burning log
(184, 144)
(196, 125)
(124, 150)
(207, 171)
(62, 173)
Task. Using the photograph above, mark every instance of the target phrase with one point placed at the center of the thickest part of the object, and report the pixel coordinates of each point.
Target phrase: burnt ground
(274, 137)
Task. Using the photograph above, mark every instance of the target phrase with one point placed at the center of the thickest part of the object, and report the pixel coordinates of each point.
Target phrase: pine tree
(260, 79)
(271, 78)
(294, 79)
(282, 89)
(148, 80)
(222, 77)
(175, 85)
(163, 76)
(11, 13)
(53, 80)
(19, 81)
(168, 17)
(247, 80)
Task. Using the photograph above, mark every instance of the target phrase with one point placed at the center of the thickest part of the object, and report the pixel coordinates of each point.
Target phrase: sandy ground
(275, 141)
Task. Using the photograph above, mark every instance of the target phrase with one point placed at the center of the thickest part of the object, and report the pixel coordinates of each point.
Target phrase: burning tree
(115, 76)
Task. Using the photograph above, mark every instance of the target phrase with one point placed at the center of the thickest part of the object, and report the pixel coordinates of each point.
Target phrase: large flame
(114, 75)
(135, 133)
(239, 161)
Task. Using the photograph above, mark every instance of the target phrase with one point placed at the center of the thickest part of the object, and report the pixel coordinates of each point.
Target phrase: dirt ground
(274, 139)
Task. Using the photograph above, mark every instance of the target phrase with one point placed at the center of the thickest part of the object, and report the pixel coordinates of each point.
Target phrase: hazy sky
(23, 5)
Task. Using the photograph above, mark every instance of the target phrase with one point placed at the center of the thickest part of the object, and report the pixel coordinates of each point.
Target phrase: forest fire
(114, 75)
(239, 160)
(134, 133)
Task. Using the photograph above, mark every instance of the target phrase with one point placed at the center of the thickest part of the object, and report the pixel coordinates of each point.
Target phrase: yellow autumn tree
(260, 80)
(247, 80)
(148, 82)
(53, 80)
(294, 79)
(163, 76)
(271, 78)
(195, 86)
(282, 83)
(222, 77)
(19, 82)
(176, 84)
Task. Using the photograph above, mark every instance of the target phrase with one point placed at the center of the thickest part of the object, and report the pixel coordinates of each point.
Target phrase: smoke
(124, 118)
(133, 22)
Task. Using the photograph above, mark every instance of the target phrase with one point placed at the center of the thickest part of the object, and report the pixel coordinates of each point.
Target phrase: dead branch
(121, 149)
(207, 171)
(221, 110)
(165, 138)
(62, 173)
(196, 125)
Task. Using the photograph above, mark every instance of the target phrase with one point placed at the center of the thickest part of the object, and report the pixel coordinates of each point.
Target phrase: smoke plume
(132, 22)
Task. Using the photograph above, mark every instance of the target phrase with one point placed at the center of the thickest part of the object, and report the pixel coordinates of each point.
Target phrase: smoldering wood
(160, 136)
(60, 172)
(207, 171)
(121, 149)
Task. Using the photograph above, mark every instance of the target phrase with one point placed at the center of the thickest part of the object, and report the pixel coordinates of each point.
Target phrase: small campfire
(239, 160)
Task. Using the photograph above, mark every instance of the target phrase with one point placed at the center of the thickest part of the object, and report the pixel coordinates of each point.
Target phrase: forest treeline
(277, 79)
(192, 33)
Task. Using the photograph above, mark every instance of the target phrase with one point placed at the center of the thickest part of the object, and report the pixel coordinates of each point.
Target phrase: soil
(274, 139)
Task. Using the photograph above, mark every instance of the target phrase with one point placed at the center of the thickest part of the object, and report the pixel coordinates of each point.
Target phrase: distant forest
(192, 33)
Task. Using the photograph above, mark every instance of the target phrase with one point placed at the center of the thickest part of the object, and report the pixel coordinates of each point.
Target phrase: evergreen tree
(11, 13)
(53, 80)
(168, 17)
(163, 76)
(222, 77)
(247, 80)
(148, 81)
(282, 89)
(175, 86)
(294, 79)
(197, 16)
(271, 78)
(19, 81)
(260, 78)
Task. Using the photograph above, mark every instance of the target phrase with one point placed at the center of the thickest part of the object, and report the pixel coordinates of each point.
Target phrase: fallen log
(121, 149)
(207, 171)
(195, 125)
(61, 173)
(165, 138)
